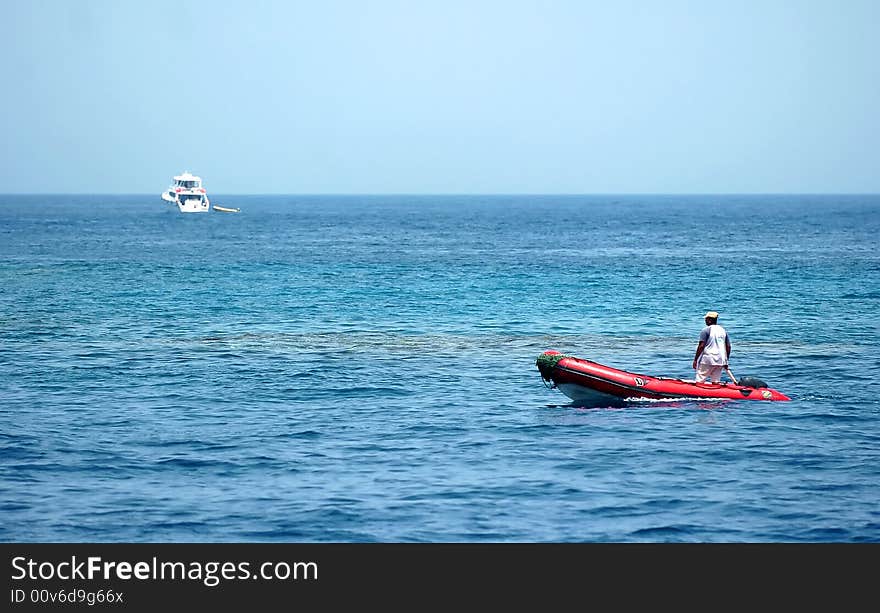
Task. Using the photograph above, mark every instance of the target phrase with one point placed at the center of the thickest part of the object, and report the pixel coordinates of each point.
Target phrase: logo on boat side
(767, 395)
(640, 382)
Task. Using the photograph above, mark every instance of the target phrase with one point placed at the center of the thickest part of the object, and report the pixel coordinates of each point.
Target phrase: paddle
(730, 374)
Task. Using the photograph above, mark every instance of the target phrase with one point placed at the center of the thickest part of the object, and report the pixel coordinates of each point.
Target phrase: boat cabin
(187, 181)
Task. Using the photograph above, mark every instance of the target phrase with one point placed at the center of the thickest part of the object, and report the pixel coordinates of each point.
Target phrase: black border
(415, 576)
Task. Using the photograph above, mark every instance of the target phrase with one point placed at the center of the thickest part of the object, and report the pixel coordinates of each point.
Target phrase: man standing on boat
(713, 350)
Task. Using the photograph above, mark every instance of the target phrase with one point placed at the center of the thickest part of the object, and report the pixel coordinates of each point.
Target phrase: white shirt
(715, 350)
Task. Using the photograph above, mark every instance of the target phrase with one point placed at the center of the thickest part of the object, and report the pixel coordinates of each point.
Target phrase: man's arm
(700, 346)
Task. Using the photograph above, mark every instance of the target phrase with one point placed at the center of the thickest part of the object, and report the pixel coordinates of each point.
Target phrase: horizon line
(458, 194)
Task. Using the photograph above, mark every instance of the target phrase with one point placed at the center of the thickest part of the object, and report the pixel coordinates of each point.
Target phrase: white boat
(188, 194)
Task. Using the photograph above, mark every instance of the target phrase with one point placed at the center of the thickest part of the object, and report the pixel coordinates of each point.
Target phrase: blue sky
(308, 97)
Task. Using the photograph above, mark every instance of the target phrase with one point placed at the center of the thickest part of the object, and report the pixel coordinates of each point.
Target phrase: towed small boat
(592, 383)
(224, 209)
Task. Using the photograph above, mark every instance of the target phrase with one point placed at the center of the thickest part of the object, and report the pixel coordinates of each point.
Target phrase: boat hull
(189, 203)
(589, 382)
(193, 205)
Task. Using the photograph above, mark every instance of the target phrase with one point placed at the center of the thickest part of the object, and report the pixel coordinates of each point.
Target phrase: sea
(344, 368)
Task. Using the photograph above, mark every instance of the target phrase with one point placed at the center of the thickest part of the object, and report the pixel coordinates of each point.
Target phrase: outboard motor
(749, 381)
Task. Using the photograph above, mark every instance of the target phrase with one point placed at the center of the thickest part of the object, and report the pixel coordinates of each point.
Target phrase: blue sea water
(362, 368)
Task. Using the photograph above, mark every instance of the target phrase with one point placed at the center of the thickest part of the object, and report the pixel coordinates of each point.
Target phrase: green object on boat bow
(546, 362)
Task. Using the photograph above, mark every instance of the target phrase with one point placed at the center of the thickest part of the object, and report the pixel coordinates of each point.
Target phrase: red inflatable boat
(591, 382)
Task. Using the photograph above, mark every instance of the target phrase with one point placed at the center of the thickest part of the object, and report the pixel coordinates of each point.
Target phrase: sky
(445, 97)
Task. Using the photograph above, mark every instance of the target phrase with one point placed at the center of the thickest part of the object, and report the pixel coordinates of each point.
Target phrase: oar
(730, 374)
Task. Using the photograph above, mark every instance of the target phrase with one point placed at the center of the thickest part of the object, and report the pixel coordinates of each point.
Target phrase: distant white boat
(224, 209)
(188, 194)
